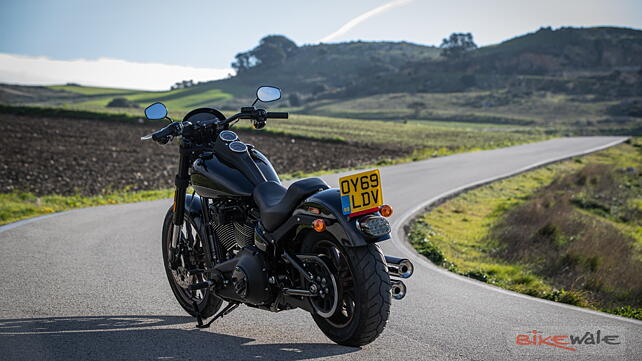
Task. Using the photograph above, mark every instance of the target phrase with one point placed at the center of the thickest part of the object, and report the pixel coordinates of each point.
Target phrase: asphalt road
(89, 285)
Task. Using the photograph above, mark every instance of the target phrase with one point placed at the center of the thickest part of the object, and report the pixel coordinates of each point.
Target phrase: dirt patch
(71, 156)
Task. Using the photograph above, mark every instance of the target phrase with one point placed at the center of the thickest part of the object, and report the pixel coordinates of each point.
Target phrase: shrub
(294, 100)
(121, 103)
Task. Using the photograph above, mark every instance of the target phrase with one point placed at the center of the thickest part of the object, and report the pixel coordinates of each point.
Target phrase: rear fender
(343, 228)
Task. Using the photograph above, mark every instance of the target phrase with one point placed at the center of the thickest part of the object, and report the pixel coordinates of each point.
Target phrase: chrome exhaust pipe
(399, 267)
(398, 289)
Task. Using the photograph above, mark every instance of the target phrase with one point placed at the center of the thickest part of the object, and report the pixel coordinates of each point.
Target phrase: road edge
(401, 239)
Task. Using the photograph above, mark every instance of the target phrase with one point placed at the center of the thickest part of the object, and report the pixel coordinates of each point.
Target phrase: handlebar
(165, 134)
(175, 129)
(277, 115)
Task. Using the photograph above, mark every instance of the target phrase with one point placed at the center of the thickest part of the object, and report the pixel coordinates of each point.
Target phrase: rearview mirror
(268, 94)
(156, 111)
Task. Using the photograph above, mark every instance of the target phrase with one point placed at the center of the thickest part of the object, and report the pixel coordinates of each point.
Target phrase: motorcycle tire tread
(378, 291)
(213, 303)
(371, 273)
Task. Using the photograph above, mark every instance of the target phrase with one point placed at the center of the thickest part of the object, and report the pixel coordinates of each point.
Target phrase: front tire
(192, 233)
(363, 287)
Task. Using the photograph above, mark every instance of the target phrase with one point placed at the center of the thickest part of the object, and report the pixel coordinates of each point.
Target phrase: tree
(416, 107)
(272, 50)
(244, 61)
(457, 45)
(294, 100)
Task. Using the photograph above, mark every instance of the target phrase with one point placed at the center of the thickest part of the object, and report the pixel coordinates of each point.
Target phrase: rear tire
(206, 301)
(364, 287)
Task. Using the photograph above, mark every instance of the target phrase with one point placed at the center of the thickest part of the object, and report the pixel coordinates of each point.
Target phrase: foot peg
(200, 285)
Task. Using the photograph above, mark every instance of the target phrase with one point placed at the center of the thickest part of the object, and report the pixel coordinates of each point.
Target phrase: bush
(121, 103)
(294, 100)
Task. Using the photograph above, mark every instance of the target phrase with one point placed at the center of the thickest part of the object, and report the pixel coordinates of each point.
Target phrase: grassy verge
(18, 205)
(569, 232)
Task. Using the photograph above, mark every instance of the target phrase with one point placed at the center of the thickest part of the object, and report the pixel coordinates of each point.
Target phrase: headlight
(374, 226)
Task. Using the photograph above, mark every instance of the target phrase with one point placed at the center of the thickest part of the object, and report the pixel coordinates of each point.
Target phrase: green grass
(179, 99)
(461, 233)
(416, 135)
(90, 90)
(453, 235)
(18, 205)
(491, 108)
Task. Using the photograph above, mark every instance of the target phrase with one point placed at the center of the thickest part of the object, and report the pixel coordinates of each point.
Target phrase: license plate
(361, 192)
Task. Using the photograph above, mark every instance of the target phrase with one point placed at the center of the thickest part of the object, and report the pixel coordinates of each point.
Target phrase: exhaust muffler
(399, 267)
(398, 289)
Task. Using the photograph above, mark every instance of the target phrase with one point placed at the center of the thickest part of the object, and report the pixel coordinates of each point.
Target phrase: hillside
(579, 80)
(575, 60)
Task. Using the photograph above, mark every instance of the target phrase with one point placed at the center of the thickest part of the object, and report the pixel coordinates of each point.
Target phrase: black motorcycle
(244, 238)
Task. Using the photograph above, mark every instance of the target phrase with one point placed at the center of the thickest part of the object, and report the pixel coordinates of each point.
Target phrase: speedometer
(228, 136)
(238, 147)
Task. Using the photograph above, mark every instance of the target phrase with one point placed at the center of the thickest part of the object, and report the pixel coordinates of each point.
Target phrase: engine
(246, 269)
(247, 277)
(231, 223)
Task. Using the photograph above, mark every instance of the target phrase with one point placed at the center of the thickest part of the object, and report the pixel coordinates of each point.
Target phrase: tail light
(374, 226)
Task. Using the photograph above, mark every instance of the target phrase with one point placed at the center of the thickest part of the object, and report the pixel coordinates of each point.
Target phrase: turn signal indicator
(386, 210)
(319, 225)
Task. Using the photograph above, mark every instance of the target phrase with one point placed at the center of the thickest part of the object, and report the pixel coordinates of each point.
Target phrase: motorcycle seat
(276, 202)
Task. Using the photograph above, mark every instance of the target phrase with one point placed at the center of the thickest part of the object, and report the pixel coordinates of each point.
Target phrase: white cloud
(363, 17)
(19, 69)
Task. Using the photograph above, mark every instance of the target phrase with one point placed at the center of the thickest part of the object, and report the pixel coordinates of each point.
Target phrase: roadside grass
(20, 205)
(530, 234)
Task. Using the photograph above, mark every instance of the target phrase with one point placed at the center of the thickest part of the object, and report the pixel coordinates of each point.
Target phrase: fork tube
(215, 250)
(181, 182)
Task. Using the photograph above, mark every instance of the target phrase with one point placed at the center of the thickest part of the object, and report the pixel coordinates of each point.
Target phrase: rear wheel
(362, 287)
(196, 255)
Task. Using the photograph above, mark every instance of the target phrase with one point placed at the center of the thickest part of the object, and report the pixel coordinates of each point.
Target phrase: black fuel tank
(212, 177)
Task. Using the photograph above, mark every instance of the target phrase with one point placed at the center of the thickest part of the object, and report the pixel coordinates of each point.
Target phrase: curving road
(89, 285)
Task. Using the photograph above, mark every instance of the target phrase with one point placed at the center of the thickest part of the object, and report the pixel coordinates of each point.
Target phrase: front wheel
(363, 289)
(194, 248)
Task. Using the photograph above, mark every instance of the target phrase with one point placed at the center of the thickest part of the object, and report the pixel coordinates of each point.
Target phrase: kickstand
(199, 320)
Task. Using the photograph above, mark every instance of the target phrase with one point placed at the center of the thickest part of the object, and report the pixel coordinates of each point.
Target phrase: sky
(146, 44)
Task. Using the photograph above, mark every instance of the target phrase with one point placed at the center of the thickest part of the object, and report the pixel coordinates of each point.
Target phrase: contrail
(363, 17)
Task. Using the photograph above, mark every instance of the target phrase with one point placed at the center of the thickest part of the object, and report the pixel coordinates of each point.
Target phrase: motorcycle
(241, 237)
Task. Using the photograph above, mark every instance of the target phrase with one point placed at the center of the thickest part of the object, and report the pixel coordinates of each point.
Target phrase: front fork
(181, 183)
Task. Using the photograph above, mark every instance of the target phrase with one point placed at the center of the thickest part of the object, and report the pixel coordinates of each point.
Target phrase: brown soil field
(85, 156)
